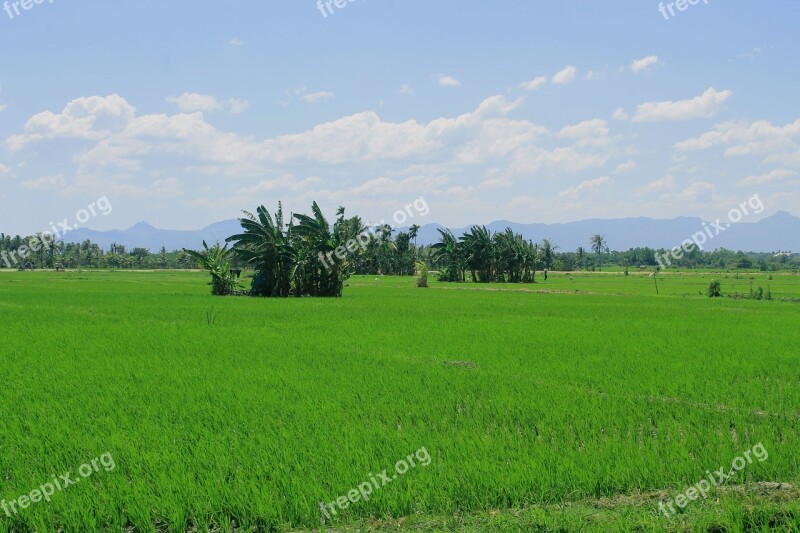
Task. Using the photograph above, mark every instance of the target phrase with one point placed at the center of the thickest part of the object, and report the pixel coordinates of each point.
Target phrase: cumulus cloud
(535, 84)
(193, 102)
(565, 76)
(667, 183)
(698, 192)
(487, 145)
(620, 114)
(625, 167)
(589, 128)
(573, 193)
(644, 63)
(769, 178)
(704, 106)
(448, 81)
(743, 137)
(90, 118)
(45, 183)
(320, 96)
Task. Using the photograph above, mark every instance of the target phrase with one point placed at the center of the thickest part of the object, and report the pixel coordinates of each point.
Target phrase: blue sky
(184, 113)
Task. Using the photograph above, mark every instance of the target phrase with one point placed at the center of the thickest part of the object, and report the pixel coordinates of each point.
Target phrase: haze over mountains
(780, 231)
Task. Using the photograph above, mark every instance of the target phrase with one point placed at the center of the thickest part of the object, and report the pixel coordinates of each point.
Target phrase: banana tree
(217, 261)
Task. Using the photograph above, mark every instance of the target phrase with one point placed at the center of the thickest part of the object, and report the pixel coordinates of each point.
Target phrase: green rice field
(578, 403)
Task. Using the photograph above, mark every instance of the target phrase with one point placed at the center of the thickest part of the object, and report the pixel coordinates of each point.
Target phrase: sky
(184, 113)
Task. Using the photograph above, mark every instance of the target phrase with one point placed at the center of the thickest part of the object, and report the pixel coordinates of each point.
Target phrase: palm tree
(580, 255)
(448, 253)
(265, 246)
(413, 231)
(479, 251)
(548, 250)
(598, 243)
(295, 259)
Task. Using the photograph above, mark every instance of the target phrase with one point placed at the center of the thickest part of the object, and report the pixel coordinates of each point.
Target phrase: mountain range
(780, 231)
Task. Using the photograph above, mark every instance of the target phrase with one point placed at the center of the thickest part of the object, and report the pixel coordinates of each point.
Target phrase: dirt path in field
(532, 291)
(774, 492)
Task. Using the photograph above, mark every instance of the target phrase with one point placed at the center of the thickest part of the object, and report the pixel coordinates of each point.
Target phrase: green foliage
(714, 289)
(242, 421)
(599, 245)
(217, 261)
(422, 274)
(504, 257)
(294, 259)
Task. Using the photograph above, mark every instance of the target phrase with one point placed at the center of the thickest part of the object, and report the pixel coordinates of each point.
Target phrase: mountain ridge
(779, 231)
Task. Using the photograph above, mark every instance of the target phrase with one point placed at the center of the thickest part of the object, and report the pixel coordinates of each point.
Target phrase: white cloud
(193, 102)
(406, 89)
(159, 189)
(90, 118)
(667, 183)
(45, 183)
(744, 137)
(625, 167)
(620, 114)
(2, 107)
(486, 145)
(5, 171)
(589, 128)
(235, 42)
(448, 81)
(573, 193)
(698, 192)
(565, 76)
(766, 179)
(534, 84)
(286, 182)
(707, 105)
(644, 63)
(320, 96)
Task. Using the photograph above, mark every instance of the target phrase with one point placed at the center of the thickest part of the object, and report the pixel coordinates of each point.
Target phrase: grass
(577, 410)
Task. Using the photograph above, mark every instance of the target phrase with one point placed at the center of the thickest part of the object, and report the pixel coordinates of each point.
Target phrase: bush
(714, 290)
(422, 275)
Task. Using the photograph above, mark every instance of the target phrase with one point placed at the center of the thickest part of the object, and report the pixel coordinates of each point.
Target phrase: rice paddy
(576, 403)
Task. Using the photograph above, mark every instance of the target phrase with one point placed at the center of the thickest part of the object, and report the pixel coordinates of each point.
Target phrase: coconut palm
(413, 231)
(598, 243)
(580, 255)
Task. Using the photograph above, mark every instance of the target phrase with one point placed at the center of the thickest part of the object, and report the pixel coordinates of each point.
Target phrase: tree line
(477, 255)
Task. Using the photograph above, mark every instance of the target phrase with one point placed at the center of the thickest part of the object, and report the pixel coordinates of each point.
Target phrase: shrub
(217, 261)
(422, 275)
(714, 290)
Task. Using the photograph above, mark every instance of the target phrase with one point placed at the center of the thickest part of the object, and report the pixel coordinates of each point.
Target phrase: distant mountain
(146, 236)
(780, 231)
